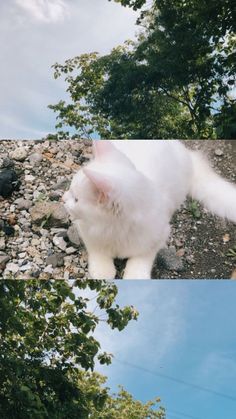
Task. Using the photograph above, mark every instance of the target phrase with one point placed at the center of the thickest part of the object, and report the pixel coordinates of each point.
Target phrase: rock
(3, 260)
(2, 243)
(8, 163)
(50, 213)
(12, 267)
(168, 259)
(8, 230)
(53, 260)
(180, 253)
(73, 234)
(55, 195)
(11, 219)
(35, 242)
(29, 178)
(59, 242)
(12, 208)
(23, 203)
(70, 250)
(42, 188)
(219, 152)
(69, 163)
(178, 243)
(60, 232)
(22, 255)
(32, 251)
(35, 274)
(25, 267)
(9, 182)
(190, 259)
(19, 154)
(62, 184)
(37, 195)
(49, 269)
(35, 158)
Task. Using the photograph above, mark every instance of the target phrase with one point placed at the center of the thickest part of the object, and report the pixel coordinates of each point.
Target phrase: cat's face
(109, 186)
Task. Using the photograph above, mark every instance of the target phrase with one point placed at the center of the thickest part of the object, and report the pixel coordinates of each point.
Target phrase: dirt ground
(205, 241)
(201, 246)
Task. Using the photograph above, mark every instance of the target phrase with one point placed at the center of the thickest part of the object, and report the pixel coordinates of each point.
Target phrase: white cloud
(27, 86)
(47, 11)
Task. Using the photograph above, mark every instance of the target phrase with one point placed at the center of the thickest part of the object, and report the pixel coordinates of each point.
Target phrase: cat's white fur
(123, 200)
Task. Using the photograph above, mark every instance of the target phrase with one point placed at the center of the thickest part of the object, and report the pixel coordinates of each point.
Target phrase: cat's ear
(101, 182)
(101, 148)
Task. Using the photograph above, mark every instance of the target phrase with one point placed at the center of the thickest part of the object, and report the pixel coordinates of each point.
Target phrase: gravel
(37, 239)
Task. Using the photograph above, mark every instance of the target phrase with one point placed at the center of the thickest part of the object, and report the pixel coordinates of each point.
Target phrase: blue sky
(34, 34)
(185, 332)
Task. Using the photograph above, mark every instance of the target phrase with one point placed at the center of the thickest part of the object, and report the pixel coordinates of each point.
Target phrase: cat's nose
(63, 199)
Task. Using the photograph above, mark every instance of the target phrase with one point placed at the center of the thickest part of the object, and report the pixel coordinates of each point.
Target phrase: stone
(23, 203)
(49, 269)
(60, 232)
(59, 242)
(22, 255)
(35, 274)
(32, 251)
(12, 208)
(219, 152)
(35, 158)
(37, 195)
(180, 253)
(35, 242)
(7, 163)
(29, 178)
(53, 260)
(52, 214)
(19, 154)
(69, 163)
(9, 182)
(62, 184)
(73, 234)
(2, 243)
(168, 259)
(55, 195)
(8, 230)
(70, 250)
(25, 267)
(3, 260)
(12, 267)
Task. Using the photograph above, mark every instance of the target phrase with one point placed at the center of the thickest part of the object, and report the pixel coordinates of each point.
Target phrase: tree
(135, 4)
(170, 83)
(106, 99)
(225, 121)
(123, 406)
(47, 348)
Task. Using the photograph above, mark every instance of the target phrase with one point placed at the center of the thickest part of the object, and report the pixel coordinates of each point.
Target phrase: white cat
(123, 200)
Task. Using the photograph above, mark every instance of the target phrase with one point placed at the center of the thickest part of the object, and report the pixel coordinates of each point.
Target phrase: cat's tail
(216, 194)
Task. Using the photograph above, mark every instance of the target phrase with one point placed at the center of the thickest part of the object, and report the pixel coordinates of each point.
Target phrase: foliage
(170, 83)
(47, 348)
(194, 208)
(225, 121)
(101, 104)
(123, 406)
(232, 252)
(135, 4)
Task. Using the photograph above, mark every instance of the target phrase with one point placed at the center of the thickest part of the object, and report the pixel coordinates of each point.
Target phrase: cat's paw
(101, 269)
(138, 268)
(137, 275)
